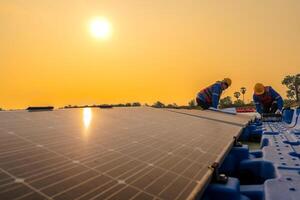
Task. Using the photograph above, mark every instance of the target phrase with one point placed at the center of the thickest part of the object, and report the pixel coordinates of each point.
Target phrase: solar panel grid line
(135, 196)
(154, 165)
(24, 159)
(162, 167)
(4, 181)
(116, 187)
(14, 154)
(31, 168)
(35, 174)
(6, 185)
(87, 188)
(162, 150)
(157, 178)
(29, 164)
(83, 196)
(44, 147)
(169, 185)
(24, 196)
(184, 188)
(27, 196)
(30, 141)
(16, 151)
(164, 182)
(14, 191)
(24, 183)
(74, 186)
(177, 155)
(116, 192)
(32, 181)
(8, 144)
(67, 183)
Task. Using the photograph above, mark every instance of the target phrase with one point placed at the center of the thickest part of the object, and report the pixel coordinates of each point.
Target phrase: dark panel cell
(126, 193)
(145, 180)
(14, 192)
(169, 162)
(110, 165)
(55, 177)
(161, 183)
(193, 170)
(84, 188)
(134, 172)
(175, 188)
(3, 176)
(33, 196)
(181, 166)
(110, 192)
(143, 196)
(98, 190)
(186, 191)
(32, 166)
(96, 161)
(122, 169)
(71, 182)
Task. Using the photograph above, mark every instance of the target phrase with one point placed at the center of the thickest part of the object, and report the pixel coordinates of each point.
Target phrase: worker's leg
(267, 109)
(202, 104)
(273, 108)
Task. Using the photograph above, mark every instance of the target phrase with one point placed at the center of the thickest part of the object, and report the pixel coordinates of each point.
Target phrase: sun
(100, 28)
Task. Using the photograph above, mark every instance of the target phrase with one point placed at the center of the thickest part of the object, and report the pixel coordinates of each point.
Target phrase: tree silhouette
(136, 104)
(158, 104)
(226, 102)
(243, 91)
(237, 95)
(192, 103)
(292, 82)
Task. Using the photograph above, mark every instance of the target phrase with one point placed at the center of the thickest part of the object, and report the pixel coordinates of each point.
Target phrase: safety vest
(266, 98)
(207, 94)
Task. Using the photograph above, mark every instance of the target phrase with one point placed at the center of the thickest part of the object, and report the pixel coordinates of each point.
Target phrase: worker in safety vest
(210, 96)
(266, 99)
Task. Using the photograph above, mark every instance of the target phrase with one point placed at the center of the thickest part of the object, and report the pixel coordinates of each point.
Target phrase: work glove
(212, 108)
(258, 115)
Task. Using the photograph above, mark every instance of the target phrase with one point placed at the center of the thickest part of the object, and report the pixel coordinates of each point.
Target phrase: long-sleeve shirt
(267, 99)
(211, 95)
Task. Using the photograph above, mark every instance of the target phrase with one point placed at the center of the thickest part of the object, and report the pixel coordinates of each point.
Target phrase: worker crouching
(210, 96)
(266, 99)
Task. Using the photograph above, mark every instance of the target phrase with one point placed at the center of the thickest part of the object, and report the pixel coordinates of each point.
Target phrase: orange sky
(159, 50)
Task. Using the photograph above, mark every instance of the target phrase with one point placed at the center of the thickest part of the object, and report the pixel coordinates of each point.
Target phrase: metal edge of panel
(201, 186)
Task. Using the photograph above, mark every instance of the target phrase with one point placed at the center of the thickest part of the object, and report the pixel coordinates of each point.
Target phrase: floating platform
(271, 172)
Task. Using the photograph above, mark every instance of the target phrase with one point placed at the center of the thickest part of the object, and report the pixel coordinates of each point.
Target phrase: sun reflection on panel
(87, 117)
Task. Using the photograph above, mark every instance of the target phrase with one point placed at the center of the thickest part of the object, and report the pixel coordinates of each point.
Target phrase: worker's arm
(277, 98)
(216, 93)
(257, 104)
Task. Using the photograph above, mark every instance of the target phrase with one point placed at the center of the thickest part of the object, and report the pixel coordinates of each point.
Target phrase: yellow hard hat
(227, 81)
(259, 89)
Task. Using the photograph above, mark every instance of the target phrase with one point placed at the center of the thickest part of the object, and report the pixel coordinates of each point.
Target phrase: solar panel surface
(119, 153)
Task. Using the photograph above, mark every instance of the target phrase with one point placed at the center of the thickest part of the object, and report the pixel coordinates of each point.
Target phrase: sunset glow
(100, 28)
(97, 52)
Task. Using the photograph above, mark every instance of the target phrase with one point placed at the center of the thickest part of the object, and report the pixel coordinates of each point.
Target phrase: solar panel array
(119, 153)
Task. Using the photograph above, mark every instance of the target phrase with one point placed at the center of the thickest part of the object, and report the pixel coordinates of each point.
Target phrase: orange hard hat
(259, 89)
